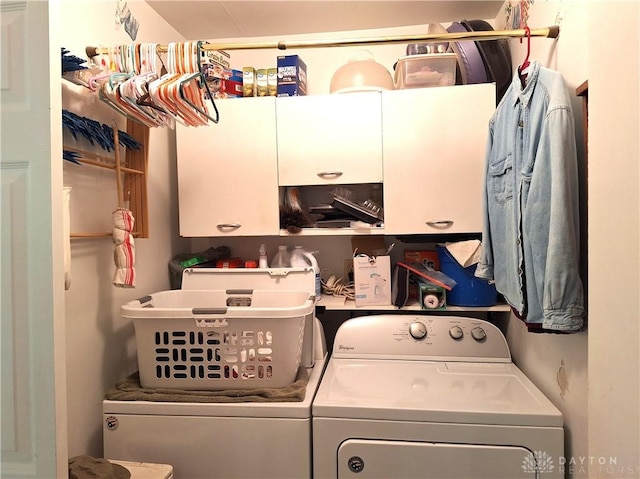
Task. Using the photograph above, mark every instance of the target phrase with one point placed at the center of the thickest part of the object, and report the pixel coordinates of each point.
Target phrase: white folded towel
(466, 253)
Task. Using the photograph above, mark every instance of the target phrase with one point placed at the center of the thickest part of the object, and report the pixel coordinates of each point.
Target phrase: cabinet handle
(441, 224)
(229, 226)
(329, 174)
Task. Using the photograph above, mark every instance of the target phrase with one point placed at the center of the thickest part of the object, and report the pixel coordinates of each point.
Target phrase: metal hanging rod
(548, 32)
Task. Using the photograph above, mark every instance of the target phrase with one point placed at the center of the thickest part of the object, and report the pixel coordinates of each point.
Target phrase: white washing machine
(246, 440)
(408, 396)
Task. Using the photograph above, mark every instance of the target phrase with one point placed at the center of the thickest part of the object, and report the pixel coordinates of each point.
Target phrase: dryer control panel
(421, 337)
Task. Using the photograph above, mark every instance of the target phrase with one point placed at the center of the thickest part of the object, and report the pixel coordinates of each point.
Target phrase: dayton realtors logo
(539, 461)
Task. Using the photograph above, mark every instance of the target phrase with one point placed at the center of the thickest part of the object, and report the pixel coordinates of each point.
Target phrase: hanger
(183, 90)
(522, 69)
(203, 80)
(163, 91)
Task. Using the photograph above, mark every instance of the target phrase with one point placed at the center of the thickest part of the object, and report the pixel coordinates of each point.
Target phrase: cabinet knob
(441, 224)
(329, 174)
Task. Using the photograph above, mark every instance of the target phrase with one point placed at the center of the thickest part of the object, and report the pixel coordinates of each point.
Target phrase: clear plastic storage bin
(219, 339)
(429, 70)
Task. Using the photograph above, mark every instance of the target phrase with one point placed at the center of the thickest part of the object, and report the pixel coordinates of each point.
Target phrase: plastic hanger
(523, 69)
(204, 84)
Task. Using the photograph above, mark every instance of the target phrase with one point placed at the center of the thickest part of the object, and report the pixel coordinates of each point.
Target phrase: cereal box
(248, 81)
(272, 81)
(292, 76)
(261, 82)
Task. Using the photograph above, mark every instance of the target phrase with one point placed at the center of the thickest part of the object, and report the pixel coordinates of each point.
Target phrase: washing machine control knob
(356, 464)
(456, 332)
(478, 333)
(418, 330)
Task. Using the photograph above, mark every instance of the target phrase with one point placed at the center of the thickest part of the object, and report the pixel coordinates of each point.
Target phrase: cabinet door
(227, 172)
(329, 139)
(434, 145)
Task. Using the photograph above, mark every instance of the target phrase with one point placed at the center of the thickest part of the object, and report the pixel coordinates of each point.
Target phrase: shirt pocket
(500, 179)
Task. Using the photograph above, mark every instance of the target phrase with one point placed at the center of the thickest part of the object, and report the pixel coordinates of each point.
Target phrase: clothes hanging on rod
(531, 231)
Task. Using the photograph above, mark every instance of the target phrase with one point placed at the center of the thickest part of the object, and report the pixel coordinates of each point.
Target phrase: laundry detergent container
(219, 339)
(469, 290)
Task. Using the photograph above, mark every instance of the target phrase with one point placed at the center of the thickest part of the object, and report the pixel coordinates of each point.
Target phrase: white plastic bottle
(281, 259)
(303, 258)
(262, 261)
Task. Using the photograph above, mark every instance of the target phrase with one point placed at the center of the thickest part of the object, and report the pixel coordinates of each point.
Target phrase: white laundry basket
(219, 339)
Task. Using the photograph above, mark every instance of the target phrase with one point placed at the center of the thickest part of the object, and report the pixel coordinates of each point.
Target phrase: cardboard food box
(230, 84)
(272, 81)
(292, 76)
(426, 257)
(261, 82)
(213, 64)
(249, 81)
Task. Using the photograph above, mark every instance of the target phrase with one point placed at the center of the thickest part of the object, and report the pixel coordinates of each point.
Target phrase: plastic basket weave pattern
(239, 345)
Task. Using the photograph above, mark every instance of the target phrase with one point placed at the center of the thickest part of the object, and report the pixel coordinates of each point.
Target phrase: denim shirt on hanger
(531, 222)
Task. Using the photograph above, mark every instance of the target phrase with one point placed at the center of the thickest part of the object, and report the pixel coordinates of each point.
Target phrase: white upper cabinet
(434, 146)
(228, 172)
(329, 139)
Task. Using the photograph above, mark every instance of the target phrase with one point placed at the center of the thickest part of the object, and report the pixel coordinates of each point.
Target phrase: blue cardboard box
(292, 76)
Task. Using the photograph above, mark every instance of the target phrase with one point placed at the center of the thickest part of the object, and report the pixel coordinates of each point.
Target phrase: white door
(369, 459)
(434, 145)
(34, 443)
(228, 172)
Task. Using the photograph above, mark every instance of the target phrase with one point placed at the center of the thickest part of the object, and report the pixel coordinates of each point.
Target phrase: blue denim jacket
(531, 224)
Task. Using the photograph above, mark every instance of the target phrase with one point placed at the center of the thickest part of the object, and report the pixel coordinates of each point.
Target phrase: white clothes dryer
(408, 396)
(245, 440)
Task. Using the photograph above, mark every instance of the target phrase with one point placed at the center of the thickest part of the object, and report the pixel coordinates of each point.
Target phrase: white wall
(100, 345)
(579, 372)
(614, 238)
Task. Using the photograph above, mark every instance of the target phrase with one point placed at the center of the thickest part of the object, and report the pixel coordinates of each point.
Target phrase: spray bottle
(262, 260)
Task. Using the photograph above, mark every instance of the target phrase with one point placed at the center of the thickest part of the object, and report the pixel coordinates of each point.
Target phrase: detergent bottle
(281, 259)
(302, 258)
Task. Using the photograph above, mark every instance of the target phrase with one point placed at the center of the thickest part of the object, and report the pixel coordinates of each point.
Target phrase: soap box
(426, 257)
(292, 76)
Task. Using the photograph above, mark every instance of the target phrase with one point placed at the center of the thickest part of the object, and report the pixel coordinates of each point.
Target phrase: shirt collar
(524, 95)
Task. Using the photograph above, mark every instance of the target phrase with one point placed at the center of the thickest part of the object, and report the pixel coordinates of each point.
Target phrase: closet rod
(547, 32)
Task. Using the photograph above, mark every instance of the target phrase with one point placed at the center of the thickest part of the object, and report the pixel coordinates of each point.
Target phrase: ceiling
(205, 20)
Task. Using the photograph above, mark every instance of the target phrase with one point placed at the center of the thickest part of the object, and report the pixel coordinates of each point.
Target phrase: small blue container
(470, 291)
